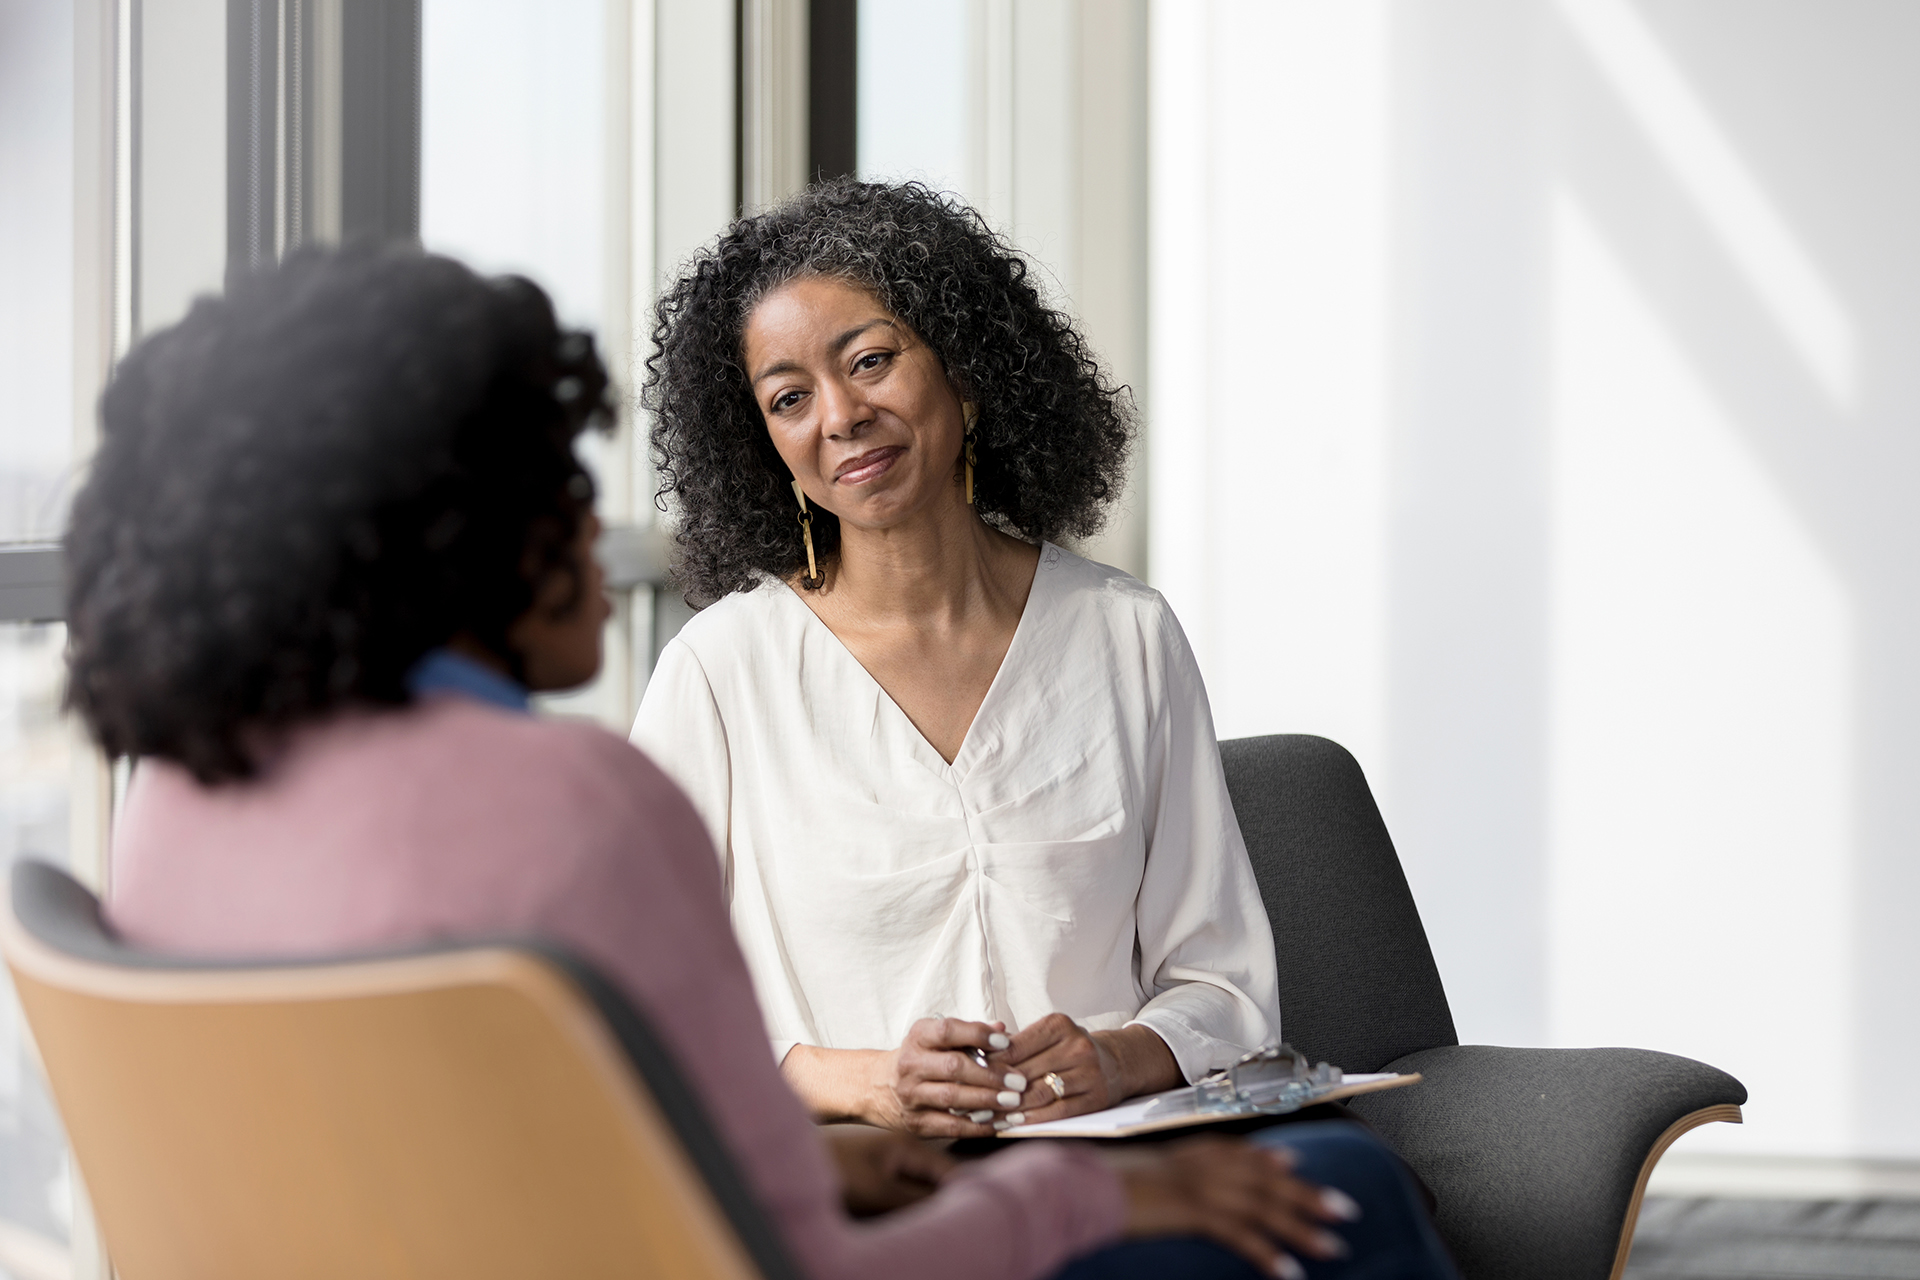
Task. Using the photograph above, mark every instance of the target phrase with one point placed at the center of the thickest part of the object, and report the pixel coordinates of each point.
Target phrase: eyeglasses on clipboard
(1271, 1080)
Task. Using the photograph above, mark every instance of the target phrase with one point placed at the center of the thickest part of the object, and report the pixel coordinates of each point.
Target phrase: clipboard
(1177, 1109)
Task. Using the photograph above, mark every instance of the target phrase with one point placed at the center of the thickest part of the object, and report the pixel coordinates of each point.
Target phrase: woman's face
(559, 647)
(857, 405)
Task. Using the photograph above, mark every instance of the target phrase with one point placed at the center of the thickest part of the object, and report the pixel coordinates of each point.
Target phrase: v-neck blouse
(1079, 854)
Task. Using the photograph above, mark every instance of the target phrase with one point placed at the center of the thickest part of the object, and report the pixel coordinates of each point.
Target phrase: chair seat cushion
(1534, 1154)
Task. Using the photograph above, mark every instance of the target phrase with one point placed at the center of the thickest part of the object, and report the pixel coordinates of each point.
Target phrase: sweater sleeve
(642, 904)
(1205, 947)
(1019, 1213)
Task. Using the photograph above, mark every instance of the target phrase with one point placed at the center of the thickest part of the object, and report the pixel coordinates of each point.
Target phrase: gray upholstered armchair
(1539, 1157)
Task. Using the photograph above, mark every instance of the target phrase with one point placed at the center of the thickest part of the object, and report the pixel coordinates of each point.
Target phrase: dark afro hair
(308, 483)
(1053, 432)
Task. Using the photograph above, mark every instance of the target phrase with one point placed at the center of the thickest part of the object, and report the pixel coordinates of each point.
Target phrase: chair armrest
(1539, 1157)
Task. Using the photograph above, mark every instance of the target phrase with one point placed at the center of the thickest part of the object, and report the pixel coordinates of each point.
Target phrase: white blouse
(1079, 855)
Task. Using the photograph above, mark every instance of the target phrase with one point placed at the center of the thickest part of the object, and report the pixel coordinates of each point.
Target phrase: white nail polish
(979, 1117)
(1008, 1099)
(1287, 1269)
(1016, 1117)
(1340, 1204)
(1001, 1124)
(1016, 1082)
(998, 1041)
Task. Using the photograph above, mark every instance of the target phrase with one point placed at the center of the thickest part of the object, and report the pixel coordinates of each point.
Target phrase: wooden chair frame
(483, 1110)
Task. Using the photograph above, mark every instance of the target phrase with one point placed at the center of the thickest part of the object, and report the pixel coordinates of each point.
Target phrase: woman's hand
(1096, 1069)
(1241, 1196)
(882, 1171)
(933, 1075)
(917, 1087)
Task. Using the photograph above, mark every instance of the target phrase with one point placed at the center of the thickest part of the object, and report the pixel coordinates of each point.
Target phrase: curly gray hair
(1053, 432)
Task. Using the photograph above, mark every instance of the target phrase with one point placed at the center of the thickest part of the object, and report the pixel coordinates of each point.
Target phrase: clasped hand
(933, 1085)
(1239, 1195)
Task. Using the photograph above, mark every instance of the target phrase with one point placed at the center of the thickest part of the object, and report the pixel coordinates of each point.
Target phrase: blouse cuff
(1195, 1051)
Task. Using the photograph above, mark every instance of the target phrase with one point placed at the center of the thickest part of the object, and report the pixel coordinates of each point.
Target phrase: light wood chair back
(469, 1112)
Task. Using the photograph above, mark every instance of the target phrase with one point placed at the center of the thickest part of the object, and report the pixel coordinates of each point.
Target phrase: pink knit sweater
(452, 819)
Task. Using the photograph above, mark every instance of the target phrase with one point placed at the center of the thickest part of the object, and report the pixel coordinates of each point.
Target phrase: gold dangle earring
(806, 532)
(973, 415)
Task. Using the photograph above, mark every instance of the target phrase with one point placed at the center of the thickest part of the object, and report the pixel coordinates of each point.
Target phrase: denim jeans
(1393, 1240)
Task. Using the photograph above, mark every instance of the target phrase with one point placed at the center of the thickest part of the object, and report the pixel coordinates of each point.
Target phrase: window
(36, 268)
(518, 102)
(36, 1204)
(37, 455)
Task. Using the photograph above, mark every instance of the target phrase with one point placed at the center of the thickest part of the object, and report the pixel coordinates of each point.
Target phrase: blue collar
(444, 671)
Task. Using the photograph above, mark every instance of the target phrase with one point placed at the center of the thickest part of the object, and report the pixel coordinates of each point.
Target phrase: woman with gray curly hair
(976, 837)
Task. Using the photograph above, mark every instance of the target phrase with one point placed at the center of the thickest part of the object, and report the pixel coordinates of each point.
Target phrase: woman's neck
(935, 572)
(930, 609)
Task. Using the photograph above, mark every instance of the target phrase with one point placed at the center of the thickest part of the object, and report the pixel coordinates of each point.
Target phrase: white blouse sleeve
(680, 729)
(1206, 949)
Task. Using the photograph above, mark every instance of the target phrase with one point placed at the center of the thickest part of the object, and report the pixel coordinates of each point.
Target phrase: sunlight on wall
(1269, 361)
(1698, 794)
(1705, 164)
(1496, 355)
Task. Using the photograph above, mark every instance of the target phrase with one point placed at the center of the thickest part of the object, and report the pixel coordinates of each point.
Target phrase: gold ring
(1054, 1082)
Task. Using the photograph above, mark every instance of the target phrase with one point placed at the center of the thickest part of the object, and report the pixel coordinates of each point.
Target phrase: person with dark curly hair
(335, 532)
(951, 767)
(292, 511)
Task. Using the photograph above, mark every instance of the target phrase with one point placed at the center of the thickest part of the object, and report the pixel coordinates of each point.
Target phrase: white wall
(1532, 414)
